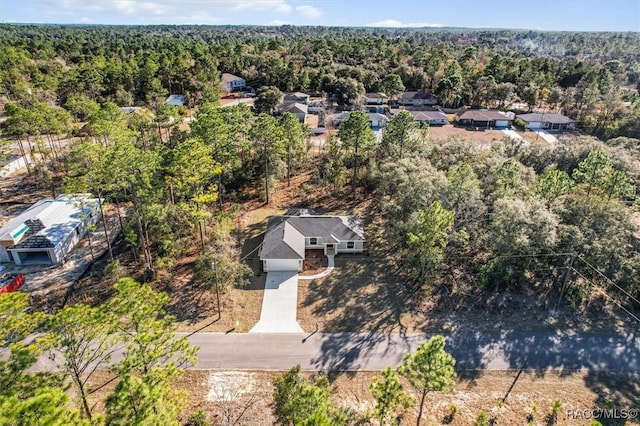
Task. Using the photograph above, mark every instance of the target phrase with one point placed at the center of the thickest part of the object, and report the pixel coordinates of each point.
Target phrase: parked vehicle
(11, 283)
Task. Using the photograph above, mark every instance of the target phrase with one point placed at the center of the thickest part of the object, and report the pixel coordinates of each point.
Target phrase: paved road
(351, 351)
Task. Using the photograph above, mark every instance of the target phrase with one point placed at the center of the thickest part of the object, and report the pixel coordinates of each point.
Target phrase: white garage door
(282, 265)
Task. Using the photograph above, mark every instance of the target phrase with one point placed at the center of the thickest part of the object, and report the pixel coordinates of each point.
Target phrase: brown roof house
(484, 118)
(288, 236)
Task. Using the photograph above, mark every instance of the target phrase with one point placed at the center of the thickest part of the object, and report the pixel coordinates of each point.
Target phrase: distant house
(130, 110)
(299, 97)
(547, 121)
(376, 120)
(375, 99)
(175, 100)
(298, 109)
(48, 230)
(316, 107)
(417, 99)
(287, 238)
(233, 83)
(484, 119)
(432, 118)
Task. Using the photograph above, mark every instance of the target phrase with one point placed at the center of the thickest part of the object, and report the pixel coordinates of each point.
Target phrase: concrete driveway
(279, 304)
(514, 135)
(549, 138)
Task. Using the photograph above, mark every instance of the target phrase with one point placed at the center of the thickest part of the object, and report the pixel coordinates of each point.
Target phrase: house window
(313, 241)
(351, 244)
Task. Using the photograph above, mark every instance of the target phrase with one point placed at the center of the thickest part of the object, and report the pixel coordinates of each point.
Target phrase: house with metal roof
(547, 121)
(175, 100)
(289, 236)
(48, 230)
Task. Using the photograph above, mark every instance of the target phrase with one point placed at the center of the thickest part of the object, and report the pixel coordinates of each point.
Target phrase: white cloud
(85, 20)
(167, 11)
(392, 23)
(309, 11)
(277, 6)
(277, 23)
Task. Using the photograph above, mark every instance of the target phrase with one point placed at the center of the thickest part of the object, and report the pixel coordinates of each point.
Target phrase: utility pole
(215, 277)
(564, 282)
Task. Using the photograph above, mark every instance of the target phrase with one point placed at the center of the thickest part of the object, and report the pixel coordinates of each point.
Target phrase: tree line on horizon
(591, 77)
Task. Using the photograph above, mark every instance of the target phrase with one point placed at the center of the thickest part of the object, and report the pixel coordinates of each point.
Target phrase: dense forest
(591, 77)
(454, 220)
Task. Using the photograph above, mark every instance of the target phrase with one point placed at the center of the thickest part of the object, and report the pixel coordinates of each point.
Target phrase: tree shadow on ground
(355, 298)
(619, 391)
(190, 302)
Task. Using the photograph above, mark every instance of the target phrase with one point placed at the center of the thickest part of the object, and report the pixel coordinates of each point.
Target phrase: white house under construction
(48, 230)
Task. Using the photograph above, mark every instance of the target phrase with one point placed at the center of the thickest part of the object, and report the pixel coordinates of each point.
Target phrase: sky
(563, 15)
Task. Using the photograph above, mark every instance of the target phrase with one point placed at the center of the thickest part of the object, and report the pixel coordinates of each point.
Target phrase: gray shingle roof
(295, 108)
(417, 95)
(483, 115)
(285, 236)
(282, 240)
(34, 242)
(51, 221)
(545, 118)
(429, 115)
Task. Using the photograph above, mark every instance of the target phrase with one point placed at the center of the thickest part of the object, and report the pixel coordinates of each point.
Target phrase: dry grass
(529, 394)
(481, 137)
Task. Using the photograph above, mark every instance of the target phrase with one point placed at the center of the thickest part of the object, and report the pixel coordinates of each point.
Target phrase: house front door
(330, 249)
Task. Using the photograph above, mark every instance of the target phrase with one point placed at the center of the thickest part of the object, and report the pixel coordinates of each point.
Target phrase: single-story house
(287, 238)
(376, 120)
(175, 100)
(417, 99)
(484, 118)
(375, 99)
(547, 121)
(233, 83)
(47, 231)
(432, 118)
(299, 97)
(295, 108)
